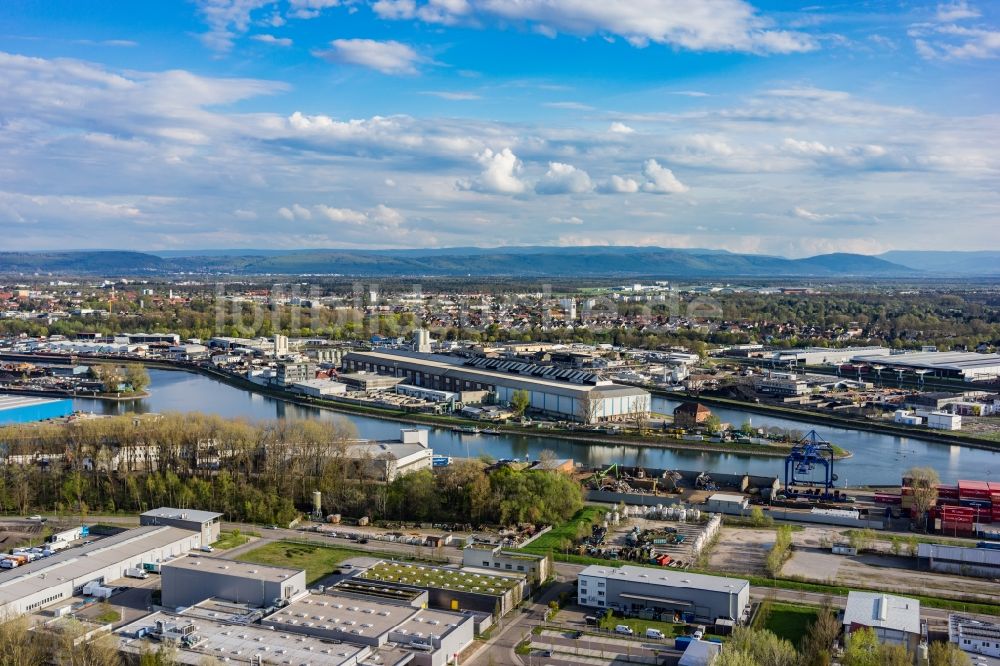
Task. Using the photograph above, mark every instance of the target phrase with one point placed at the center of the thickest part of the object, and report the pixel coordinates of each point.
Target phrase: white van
(654, 633)
(624, 629)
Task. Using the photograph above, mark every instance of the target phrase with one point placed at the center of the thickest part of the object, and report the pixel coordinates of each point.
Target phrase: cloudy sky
(773, 126)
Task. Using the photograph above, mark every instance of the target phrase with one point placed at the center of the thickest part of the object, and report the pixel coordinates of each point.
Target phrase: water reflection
(878, 458)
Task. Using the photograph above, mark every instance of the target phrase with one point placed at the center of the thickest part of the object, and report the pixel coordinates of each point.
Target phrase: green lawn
(229, 540)
(317, 560)
(552, 541)
(790, 621)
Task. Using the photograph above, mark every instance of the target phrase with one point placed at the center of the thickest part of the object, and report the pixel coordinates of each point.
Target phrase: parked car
(654, 633)
(624, 629)
(207, 549)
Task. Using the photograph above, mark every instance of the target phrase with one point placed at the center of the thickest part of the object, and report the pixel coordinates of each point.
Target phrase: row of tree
(261, 472)
(760, 647)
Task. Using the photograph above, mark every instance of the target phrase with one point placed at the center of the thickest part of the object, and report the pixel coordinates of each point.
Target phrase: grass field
(789, 621)
(551, 542)
(229, 540)
(317, 560)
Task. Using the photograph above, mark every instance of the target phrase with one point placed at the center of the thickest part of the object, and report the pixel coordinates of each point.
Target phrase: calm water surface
(878, 459)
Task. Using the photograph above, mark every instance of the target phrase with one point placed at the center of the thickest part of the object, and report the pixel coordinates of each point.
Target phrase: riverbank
(805, 416)
(92, 395)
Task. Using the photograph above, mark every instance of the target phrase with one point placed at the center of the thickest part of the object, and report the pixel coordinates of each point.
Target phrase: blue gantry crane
(808, 452)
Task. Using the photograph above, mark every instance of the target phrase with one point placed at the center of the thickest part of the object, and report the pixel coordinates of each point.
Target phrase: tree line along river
(877, 458)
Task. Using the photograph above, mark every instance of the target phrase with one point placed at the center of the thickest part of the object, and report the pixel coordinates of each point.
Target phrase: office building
(206, 523)
(492, 556)
(287, 374)
(632, 590)
(974, 636)
(387, 460)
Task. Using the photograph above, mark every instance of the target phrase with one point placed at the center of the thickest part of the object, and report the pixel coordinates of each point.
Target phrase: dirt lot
(898, 574)
(17, 532)
(741, 550)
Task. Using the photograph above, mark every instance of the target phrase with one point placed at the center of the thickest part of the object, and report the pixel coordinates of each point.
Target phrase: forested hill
(528, 261)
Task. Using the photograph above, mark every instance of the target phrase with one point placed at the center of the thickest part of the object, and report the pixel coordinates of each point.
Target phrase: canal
(877, 459)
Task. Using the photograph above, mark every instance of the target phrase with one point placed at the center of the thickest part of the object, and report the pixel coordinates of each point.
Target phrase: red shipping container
(974, 489)
(906, 490)
(948, 501)
(957, 509)
(948, 491)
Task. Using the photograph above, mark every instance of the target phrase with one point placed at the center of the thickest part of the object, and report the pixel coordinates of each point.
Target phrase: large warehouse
(566, 394)
(969, 366)
(26, 409)
(631, 590)
(59, 577)
(188, 580)
(207, 522)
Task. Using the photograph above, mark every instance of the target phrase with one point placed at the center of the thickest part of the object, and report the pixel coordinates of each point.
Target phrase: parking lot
(587, 648)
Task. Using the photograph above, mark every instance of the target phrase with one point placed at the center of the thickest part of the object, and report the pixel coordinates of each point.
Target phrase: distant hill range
(983, 263)
(598, 261)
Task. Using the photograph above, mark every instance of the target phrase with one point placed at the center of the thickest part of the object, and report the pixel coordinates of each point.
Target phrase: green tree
(136, 377)
(762, 647)
(520, 400)
(818, 642)
(945, 653)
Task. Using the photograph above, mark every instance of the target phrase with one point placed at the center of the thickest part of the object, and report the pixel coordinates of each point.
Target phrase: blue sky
(783, 127)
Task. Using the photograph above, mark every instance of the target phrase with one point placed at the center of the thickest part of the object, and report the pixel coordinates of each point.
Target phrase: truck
(136, 572)
(151, 567)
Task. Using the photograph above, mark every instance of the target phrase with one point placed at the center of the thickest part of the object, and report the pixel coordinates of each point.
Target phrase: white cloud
(570, 106)
(723, 25)
(573, 219)
(307, 9)
(620, 128)
(500, 174)
(661, 180)
(390, 57)
(620, 185)
(564, 179)
(226, 20)
(801, 212)
(242, 214)
(271, 39)
(457, 96)
(690, 93)
(956, 11)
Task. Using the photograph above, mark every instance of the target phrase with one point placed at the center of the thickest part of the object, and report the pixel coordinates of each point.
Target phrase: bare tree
(923, 482)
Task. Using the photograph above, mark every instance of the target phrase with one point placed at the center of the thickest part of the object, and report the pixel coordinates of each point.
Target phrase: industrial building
(979, 562)
(188, 580)
(632, 590)
(26, 409)
(823, 355)
(453, 589)
(206, 523)
(198, 638)
(974, 636)
(435, 636)
(566, 394)
(968, 366)
(491, 556)
(57, 578)
(895, 620)
(319, 388)
(691, 414)
(386, 460)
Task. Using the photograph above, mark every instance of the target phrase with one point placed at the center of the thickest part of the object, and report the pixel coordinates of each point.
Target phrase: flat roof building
(433, 636)
(631, 590)
(199, 639)
(208, 523)
(57, 578)
(562, 393)
(969, 366)
(189, 580)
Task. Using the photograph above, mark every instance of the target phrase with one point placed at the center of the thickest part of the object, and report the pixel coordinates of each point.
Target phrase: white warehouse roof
(651, 576)
(887, 611)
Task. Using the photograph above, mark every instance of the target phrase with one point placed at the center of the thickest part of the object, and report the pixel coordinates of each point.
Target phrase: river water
(877, 459)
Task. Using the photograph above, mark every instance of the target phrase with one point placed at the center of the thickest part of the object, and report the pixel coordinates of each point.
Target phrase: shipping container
(976, 503)
(973, 489)
(947, 491)
(886, 498)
